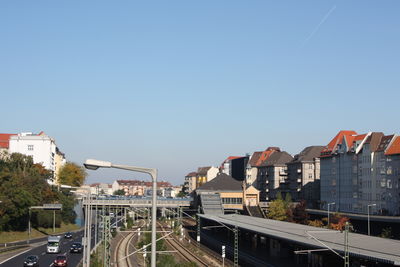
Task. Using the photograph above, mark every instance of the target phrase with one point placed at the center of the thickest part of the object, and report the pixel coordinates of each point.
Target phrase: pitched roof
(191, 174)
(203, 170)
(308, 154)
(327, 151)
(222, 182)
(394, 147)
(278, 158)
(5, 140)
(374, 139)
(254, 158)
(385, 141)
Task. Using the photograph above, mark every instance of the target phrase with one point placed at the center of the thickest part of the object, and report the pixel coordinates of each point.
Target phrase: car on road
(31, 261)
(68, 235)
(61, 261)
(76, 247)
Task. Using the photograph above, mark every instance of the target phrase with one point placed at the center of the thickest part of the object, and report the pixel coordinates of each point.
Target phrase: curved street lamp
(93, 164)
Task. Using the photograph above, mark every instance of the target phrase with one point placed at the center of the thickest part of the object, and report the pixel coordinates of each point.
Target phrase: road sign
(52, 206)
(223, 251)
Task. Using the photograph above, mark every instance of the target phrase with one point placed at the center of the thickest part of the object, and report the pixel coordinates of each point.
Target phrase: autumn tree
(72, 174)
(300, 214)
(338, 222)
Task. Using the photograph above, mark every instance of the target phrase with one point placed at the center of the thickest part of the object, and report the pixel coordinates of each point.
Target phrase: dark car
(61, 261)
(68, 235)
(76, 247)
(31, 260)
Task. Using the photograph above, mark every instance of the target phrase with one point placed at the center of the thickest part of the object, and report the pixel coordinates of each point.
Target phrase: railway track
(122, 250)
(187, 222)
(184, 252)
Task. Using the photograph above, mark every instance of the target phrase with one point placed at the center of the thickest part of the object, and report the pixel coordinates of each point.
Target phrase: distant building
(139, 188)
(190, 182)
(229, 189)
(101, 189)
(358, 170)
(5, 143)
(254, 164)
(59, 161)
(272, 175)
(41, 147)
(304, 176)
(235, 167)
(205, 174)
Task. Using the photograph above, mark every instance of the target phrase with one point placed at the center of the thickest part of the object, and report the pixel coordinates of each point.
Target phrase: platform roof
(363, 246)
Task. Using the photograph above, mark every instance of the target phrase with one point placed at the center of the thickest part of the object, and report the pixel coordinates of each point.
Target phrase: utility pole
(107, 238)
(346, 246)
(236, 249)
(198, 227)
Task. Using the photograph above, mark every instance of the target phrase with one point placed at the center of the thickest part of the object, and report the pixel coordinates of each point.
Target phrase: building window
(30, 147)
(310, 176)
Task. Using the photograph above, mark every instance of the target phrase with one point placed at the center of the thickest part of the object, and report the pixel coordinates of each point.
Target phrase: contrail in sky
(319, 25)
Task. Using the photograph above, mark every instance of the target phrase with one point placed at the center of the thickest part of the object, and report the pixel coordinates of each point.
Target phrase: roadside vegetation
(285, 210)
(23, 184)
(11, 236)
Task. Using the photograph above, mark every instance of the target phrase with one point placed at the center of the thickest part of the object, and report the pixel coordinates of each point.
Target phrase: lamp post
(87, 229)
(370, 205)
(332, 203)
(93, 164)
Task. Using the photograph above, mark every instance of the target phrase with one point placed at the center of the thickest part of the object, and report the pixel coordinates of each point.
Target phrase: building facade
(304, 176)
(190, 182)
(41, 147)
(360, 172)
(273, 176)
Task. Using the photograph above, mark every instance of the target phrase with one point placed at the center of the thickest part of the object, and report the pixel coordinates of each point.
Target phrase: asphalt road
(48, 259)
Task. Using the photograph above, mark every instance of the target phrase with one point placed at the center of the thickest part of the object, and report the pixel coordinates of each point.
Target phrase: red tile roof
(5, 140)
(266, 154)
(335, 141)
(352, 139)
(394, 147)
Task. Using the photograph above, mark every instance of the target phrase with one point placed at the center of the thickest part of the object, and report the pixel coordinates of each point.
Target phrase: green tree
(386, 232)
(277, 209)
(72, 174)
(24, 184)
(119, 192)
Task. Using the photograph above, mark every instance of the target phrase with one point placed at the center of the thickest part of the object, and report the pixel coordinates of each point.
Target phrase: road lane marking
(43, 253)
(51, 264)
(15, 255)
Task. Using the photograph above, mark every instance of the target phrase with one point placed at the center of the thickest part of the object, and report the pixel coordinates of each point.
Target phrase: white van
(54, 244)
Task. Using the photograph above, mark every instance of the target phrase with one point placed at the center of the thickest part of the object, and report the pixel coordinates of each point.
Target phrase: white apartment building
(41, 147)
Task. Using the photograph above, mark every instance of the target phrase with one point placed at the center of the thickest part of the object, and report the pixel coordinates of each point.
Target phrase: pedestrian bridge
(138, 202)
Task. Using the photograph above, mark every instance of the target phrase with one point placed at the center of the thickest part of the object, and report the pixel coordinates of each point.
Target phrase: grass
(6, 237)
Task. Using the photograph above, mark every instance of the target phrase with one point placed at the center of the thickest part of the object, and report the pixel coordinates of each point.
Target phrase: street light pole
(93, 164)
(370, 205)
(332, 203)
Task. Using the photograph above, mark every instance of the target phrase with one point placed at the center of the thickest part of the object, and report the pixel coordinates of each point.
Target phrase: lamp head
(93, 164)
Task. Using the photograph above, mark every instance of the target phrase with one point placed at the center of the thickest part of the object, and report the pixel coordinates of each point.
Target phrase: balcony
(299, 180)
(283, 172)
(298, 170)
(283, 180)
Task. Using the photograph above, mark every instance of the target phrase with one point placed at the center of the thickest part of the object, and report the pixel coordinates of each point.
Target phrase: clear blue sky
(182, 84)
